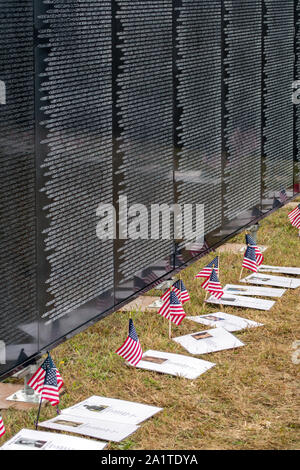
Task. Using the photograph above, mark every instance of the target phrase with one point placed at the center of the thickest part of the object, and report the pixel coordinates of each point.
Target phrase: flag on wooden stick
(207, 270)
(177, 314)
(180, 290)
(249, 261)
(258, 253)
(131, 350)
(50, 389)
(37, 381)
(2, 427)
(294, 217)
(172, 308)
(213, 285)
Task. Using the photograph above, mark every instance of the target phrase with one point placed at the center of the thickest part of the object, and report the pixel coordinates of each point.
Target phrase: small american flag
(131, 350)
(50, 389)
(177, 314)
(2, 428)
(294, 217)
(296, 221)
(38, 379)
(250, 259)
(213, 285)
(258, 253)
(180, 290)
(172, 308)
(294, 213)
(207, 270)
(283, 196)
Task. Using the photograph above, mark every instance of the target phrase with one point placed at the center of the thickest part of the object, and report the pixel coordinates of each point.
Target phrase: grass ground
(250, 400)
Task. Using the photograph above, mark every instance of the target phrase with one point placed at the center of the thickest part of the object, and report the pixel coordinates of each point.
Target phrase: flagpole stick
(180, 287)
(180, 292)
(242, 266)
(219, 257)
(222, 307)
(207, 292)
(40, 405)
(170, 323)
(38, 415)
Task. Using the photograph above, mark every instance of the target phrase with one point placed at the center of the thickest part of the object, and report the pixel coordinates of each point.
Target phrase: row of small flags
(47, 380)
(174, 298)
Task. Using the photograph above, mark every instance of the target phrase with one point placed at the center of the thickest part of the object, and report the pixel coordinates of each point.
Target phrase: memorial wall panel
(17, 183)
(243, 70)
(278, 131)
(75, 173)
(198, 134)
(297, 101)
(144, 106)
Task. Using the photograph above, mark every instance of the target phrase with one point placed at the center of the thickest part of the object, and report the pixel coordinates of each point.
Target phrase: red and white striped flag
(172, 308)
(213, 285)
(131, 350)
(207, 270)
(50, 390)
(180, 290)
(294, 213)
(258, 253)
(294, 217)
(250, 261)
(296, 222)
(2, 427)
(37, 381)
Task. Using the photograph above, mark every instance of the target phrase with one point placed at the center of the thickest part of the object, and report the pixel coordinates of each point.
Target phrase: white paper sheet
(225, 320)
(27, 439)
(240, 301)
(99, 429)
(208, 341)
(253, 290)
(111, 409)
(174, 364)
(268, 280)
(265, 268)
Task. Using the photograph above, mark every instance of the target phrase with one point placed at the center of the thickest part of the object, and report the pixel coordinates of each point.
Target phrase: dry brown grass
(250, 400)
